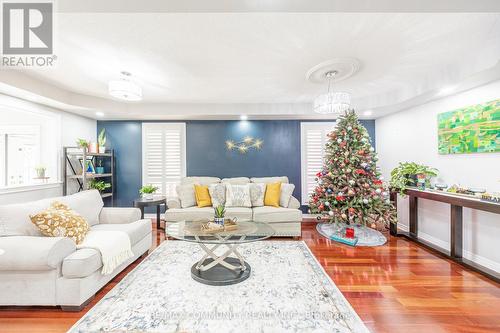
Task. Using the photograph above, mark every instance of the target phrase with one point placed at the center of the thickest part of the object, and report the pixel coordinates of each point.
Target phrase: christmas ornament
(365, 201)
(330, 213)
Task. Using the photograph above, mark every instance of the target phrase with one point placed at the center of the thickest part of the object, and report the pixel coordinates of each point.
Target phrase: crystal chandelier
(333, 101)
(125, 89)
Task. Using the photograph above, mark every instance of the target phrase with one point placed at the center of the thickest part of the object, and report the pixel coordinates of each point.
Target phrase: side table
(157, 201)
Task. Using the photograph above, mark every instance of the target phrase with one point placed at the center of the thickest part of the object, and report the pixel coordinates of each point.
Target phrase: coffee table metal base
(220, 275)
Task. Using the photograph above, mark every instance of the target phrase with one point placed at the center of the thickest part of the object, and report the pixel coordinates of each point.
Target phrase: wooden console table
(457, 203)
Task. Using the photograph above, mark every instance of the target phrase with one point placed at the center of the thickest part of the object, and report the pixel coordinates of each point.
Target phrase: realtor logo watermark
(28, 34)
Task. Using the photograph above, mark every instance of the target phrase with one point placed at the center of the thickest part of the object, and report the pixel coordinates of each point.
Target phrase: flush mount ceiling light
(125, 89)
(333, 102)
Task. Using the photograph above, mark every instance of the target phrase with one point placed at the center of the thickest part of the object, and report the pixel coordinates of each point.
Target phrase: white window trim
(29, 188)
(176, 125)
(304, 127)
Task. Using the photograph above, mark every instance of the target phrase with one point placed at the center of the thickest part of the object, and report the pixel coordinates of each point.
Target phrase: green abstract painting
(473, 129)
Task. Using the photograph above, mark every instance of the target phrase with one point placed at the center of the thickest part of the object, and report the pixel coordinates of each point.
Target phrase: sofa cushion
(60, 221)
(240, 213)
(189, 214)
(202, 196)
(186, 195)
(81, 263)
(286, 194)
(217, 194)
(257, 192)
(238, 195)
(86, 203)
(32, 253)
(236, 180)
(136, 230)
(200, 180)
(15, 219)
(276, 214)
(268, 180)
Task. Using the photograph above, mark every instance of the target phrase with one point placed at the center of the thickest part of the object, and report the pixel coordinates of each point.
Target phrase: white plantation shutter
(313, 140)
(164, 155)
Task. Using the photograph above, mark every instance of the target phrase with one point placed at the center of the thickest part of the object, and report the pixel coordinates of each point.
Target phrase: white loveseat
(39, 270)
(286, 221)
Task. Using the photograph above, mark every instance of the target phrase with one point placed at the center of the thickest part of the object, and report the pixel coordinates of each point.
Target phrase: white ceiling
(184, 61)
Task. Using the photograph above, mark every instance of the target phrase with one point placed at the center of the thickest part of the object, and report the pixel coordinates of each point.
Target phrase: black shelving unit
(75, 173)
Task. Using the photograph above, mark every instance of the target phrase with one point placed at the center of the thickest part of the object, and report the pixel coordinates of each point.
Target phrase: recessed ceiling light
(99, 114)
(243, 117)
(125, 89)
(447, 90)
(368, 113)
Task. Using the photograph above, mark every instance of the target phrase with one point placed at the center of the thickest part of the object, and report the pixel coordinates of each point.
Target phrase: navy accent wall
(206, 154)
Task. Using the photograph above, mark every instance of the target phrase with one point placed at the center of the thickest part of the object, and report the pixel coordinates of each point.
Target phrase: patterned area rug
(288, 291)
(366, 236)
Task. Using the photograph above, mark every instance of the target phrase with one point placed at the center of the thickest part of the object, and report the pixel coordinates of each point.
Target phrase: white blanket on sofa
(115, 247)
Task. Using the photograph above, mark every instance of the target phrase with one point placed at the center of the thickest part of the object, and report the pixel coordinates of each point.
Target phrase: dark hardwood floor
(398, 287)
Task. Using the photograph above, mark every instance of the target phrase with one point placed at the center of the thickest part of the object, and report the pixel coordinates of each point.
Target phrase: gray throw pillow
(186, 195)
(257, 193)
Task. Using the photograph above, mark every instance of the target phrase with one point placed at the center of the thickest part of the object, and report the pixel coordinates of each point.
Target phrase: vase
(148, 196)
(40, 173)
(219, 220)
(102, 150)
(99, 170)
(93, 148)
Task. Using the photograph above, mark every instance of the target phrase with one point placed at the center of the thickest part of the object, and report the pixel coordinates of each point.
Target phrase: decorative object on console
(148, 191)
(245, 145)
(491, 197)
(472, 129)
(440, 186)
(350, 189)
(407, 173)
(61, 221)
(101, 140)
(219, 213)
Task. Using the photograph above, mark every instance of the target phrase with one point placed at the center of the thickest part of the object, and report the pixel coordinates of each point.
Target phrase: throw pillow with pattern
(238, 196)
(60, 221)
(218, 194)
(257, 192)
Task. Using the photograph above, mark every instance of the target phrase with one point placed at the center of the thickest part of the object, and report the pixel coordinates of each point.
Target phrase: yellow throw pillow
(60, 221)
(202, 196)
(272, 196)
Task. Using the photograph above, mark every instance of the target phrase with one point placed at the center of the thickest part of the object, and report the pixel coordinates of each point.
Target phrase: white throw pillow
(257, 192)
(286, 194)
(217, 194)
(186, 195)
(238, 196)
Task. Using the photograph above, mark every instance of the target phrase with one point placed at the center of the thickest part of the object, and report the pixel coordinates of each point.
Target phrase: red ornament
(319, 174)
(360, 172)
(352, 210)
(321, 207)
(340, 198)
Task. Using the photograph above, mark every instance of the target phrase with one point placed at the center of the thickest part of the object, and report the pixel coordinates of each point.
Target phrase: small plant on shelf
(40, 171)
(406, 174)
(82, 143)
(99, 185)
(147, 191)
(219, 213)
(101, 140)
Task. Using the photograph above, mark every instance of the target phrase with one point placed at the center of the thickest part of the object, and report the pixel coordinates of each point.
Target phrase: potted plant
(148, 191)
(408, 174)
(40, 171)
(99, 185)
(219, 213)
(101, 140)
(82, 143)
(99, 169)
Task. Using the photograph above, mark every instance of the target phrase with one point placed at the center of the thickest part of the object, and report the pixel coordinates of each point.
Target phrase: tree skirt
(287, 291)
(366, 236)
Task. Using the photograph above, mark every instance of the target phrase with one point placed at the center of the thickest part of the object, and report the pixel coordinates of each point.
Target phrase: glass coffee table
(229, 267)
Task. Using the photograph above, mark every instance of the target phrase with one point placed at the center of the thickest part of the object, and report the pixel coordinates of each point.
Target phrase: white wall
(71, 128)
(411, 135)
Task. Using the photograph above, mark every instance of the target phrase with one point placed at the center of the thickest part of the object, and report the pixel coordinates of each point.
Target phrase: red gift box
(349, 232)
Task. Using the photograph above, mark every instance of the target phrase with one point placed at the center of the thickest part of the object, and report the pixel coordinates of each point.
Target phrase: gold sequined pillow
(60, 221)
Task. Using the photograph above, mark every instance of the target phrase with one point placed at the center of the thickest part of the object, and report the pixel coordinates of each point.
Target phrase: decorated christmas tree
(350, 188)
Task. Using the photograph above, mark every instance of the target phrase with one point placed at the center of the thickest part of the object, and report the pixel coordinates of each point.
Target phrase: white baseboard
(466, 254)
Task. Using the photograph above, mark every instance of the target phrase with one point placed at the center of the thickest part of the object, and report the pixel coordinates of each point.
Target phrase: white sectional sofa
(286, 221)
(39, 270)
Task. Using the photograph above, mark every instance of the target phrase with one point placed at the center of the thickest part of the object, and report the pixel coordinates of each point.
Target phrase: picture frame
(89, 165)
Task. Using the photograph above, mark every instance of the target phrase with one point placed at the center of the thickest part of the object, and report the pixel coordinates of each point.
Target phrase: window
(29, 139)
(313, 141)
(164, 155)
